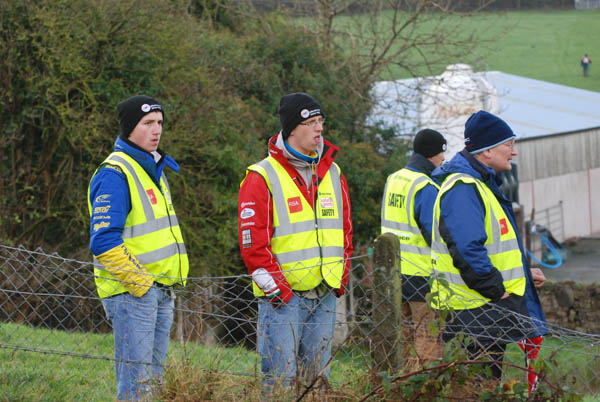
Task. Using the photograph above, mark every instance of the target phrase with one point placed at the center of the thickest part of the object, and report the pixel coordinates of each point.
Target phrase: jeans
(141, 327)
(295, 339)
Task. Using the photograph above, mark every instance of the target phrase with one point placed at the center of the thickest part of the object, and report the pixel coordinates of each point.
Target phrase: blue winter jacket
(462, 212)
(111, 180)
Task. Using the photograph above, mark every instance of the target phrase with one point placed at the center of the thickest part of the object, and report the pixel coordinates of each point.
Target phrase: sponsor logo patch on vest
(503, 226)
(326, 202)
(247, 213)
(294, 204)
(151, 196)
(246, 238)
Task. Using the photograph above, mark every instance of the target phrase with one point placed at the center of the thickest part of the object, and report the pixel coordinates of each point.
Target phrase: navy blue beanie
(483, 131)
(294, 109)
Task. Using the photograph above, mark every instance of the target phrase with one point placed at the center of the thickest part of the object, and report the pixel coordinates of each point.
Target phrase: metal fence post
(386, 349)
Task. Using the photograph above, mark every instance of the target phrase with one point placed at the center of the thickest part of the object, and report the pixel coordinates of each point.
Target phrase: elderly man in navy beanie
(476, 247)
(295, 236)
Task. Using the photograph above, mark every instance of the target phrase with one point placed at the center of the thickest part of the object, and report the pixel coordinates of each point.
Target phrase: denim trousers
(141, 327)
(295, 339)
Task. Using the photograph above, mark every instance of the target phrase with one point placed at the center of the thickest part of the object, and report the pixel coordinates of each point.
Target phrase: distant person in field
(585, 64)
(137, 246)
(407, 211)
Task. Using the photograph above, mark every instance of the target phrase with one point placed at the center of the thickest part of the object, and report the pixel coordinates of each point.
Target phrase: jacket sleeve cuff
(490, 285)
(127, 269)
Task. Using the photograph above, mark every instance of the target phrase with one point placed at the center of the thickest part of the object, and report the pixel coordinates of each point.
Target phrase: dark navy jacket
(462, 214)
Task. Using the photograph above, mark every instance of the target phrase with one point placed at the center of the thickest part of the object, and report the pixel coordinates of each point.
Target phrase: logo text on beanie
(146, 107)
(305, 113)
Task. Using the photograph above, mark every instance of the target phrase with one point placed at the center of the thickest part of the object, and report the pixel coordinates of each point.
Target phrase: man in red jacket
(295, 236)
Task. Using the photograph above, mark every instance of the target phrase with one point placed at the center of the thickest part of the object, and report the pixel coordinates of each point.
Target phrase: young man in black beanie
(477, 247)
(407, 211)
(137, 245)
(295, 236)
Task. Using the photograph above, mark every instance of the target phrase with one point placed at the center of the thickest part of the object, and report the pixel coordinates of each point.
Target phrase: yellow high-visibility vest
(151, 231)
(502, 249)
(308, 244)
(398, 217)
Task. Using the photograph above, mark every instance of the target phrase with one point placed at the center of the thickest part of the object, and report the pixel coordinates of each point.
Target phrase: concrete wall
(563, 168)
(558, 154)
(579, 194)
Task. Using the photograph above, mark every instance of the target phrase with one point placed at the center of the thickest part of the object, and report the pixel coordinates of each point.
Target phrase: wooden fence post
(386, 347)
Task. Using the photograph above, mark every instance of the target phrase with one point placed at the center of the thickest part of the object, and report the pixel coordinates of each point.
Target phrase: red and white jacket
(255, 245)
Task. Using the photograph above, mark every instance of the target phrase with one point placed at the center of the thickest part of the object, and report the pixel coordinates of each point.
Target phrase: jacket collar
(419, 163)
(464, 162)
(145, 159)
(328, 155)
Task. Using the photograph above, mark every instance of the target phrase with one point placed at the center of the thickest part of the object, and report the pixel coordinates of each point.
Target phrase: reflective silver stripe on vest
(151, 226)
(409, 248)
(437, 245)
(284, 219)
(285, 226)
(401, 226)
(148, 211)
(456, 279)
(409, 196)
(308, 253)
(161, 253)
(164, 177)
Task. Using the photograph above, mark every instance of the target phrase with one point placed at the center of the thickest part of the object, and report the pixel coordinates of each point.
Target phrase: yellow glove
(126, 268)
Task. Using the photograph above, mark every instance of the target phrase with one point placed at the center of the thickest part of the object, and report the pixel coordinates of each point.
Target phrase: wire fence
(49, 306)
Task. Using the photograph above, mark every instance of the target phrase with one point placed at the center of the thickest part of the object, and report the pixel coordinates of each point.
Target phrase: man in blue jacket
(407, 211)
(477, 248)
(137, 245)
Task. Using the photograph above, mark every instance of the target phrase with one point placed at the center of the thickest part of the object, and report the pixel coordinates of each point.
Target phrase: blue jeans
(295, 339)
(141, 327)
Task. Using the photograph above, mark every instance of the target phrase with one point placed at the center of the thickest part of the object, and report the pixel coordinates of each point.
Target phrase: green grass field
(34, 376)
(545, 45)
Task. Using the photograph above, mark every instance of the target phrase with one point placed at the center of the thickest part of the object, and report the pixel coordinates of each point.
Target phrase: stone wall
(572, 305)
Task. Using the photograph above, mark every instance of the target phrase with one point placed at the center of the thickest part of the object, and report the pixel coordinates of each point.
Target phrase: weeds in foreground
(452, 378)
